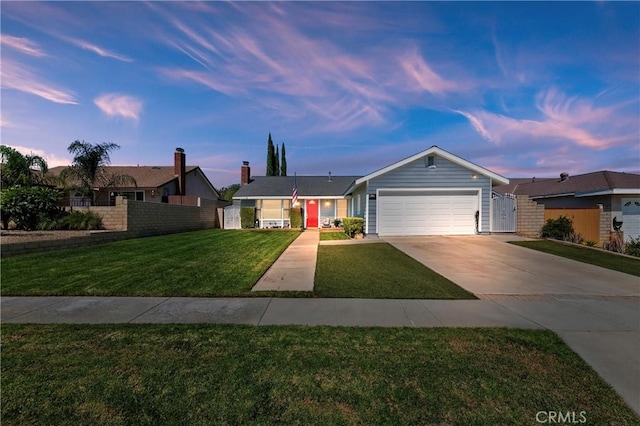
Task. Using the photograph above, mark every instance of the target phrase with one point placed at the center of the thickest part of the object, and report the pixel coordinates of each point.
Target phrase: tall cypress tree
(270, 157)
(276, 169)
(283, 163)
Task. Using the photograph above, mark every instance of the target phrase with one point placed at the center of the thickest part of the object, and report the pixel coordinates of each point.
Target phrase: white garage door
(631, 218)
(426, 213)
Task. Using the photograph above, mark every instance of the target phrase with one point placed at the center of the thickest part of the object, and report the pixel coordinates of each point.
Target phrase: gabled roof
(145, 176)
(496, 178)
(589, 184)
(282, 186)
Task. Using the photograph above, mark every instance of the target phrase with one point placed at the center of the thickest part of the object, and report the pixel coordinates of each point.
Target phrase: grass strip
(230, 374)
(203, 263)
(379, 271)
(600, 258)
(332, 236)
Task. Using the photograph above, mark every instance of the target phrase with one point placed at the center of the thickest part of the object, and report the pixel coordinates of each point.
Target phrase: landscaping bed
(602, 258)
(230, 374)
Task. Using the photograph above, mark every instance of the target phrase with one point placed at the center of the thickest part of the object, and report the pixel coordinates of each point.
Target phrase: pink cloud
(98, 50)
(22, 45)
(424, 77)
(116, 104)
(573, 119)
(19, 77)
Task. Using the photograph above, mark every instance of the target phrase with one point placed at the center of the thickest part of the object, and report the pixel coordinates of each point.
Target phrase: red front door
(312, 213)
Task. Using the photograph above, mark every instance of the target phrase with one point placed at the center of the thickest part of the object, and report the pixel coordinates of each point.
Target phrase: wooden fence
(586, 221)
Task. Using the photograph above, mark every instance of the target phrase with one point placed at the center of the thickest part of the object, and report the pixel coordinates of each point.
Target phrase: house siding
(446, 175)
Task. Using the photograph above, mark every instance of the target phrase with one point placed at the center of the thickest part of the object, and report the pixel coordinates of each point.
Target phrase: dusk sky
(523, 89)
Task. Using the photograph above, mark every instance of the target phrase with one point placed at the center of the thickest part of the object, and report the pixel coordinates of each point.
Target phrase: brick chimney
(179, 169)
(245, 173)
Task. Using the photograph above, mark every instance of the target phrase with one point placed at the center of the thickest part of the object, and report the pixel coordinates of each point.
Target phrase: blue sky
(523, 89)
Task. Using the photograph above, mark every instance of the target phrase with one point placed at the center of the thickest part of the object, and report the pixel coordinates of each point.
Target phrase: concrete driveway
(488, 265)
(596, 311)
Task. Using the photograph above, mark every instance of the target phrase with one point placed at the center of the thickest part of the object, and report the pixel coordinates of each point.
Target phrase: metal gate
(503, 208)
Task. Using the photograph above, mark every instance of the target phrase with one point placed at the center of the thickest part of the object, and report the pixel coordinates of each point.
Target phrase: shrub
(295, 217)
(353, 226)
(337, 222)
(616, 244)
(558, 229)
(247, 217)
(28, 206)
(632, 248)
(574, 238)
(83, 220)
(590, 243)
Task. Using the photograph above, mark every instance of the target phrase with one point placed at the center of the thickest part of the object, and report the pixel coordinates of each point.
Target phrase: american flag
(294, 194)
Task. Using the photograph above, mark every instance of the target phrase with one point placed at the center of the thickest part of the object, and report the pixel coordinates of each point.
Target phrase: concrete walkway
(295, 269)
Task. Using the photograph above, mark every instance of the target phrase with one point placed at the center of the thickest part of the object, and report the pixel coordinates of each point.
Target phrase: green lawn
(586, 255)
(203, 263)
(230, 374)
(379, 270)
(332, 236)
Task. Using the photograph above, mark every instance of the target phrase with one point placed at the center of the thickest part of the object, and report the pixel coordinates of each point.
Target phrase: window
(132, 195)
(431, 161)
(342, 209)
(271, 209)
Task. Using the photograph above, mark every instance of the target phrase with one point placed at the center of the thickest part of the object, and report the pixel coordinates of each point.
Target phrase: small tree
(276, 160)
(283, 163)
(28, 206)
(87, 170)
(271, 167)
(19, 169)
(228, 192)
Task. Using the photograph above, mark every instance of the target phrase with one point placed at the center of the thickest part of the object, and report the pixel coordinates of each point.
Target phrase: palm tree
(19, 169)
(87, 169)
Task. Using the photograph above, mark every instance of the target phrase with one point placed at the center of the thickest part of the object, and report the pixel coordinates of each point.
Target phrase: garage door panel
(445, 214)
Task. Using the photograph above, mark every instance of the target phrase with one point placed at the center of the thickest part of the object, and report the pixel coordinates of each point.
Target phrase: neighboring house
(432, 192)
(152, 183)
(615, 194)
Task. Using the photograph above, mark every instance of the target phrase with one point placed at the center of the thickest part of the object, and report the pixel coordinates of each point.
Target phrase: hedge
(247, 217)
(353, 226)
(295, 217)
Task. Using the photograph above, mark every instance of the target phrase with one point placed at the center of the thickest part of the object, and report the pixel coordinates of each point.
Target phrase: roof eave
(496, 178)
(614, 191)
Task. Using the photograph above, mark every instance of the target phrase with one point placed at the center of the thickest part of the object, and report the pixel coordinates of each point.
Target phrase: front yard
(218, 263)
(202, 263)
(221, 374)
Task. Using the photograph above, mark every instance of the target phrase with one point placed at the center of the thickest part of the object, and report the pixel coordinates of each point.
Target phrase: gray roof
(308, 186)
(579, 184)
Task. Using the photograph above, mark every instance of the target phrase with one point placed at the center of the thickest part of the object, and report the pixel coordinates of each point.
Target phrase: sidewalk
(606, 334)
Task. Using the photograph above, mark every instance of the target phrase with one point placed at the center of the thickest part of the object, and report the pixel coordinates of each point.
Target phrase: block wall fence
(133, 219)
(531, 219)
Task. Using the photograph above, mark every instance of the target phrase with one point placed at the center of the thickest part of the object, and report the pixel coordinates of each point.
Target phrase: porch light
(327, 203)
(474, 176)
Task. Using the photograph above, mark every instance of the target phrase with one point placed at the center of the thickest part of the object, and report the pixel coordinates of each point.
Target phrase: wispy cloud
(22, 45)
(117, 104)
(574, 119)
(261, 52)
(97, 49)
(424, 77)
(19, 77)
